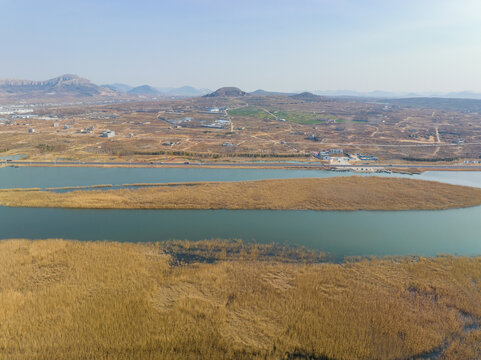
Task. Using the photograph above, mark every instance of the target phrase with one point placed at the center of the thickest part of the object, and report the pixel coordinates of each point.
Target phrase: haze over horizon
(410, 46)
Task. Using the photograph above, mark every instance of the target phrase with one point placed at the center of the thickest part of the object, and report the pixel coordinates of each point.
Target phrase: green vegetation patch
(45, 148)
(298, 117)
(301, 117)
(251, 112)
(306, 118)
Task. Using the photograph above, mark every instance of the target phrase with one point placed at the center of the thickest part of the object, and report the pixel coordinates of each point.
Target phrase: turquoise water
(25, 177)
(13, 157)
(338, 233)
(356, 233)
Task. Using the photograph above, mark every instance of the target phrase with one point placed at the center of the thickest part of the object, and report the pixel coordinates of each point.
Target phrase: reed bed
(340, 193)
(67, 299)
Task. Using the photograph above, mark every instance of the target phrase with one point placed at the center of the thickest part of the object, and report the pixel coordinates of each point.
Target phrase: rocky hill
(65, 84)
(145, 90)
(307, 97)
(118, 87)
(261, 92)
(227, 92)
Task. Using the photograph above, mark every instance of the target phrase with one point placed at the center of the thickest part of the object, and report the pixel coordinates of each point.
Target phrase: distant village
(220, 122)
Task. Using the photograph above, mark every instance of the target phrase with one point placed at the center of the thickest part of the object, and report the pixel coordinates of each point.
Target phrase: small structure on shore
(108, 134)
(336, 151)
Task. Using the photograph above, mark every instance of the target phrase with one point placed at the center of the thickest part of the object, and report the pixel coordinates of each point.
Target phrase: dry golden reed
(339, 193)
(100, 300)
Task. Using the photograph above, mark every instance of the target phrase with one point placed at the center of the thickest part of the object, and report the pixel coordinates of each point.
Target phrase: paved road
(244, 164)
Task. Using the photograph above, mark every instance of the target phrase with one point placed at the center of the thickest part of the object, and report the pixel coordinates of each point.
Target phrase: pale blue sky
(364, 45)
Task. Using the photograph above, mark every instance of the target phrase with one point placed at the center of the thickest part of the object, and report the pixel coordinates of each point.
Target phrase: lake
(341, 234)
(26, 177)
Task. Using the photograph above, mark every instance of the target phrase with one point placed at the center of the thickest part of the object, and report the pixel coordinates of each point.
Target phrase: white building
(336, 151)
(108, 134)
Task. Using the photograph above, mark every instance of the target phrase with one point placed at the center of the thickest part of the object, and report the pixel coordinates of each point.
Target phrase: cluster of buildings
(326, 154)
(15, 111)
(24, 116)
(169, 115)
(313, 137)
(216, 110)
(100, 116)
(177, 121)
(472, 162)
(220, 123)
(88, 130)
(107, 134)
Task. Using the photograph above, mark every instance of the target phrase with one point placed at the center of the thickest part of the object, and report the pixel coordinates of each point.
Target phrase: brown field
(67, 299)
(393, 133)
(340, 193)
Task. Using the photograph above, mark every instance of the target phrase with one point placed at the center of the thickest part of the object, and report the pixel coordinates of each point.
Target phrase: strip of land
(340, 193)
(67, 299)
(396, 167)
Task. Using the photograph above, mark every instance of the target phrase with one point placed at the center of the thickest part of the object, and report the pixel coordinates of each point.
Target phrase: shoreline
(393, 168)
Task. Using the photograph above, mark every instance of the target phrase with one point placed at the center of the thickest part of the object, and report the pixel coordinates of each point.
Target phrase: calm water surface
(26, 177)
(339, 233)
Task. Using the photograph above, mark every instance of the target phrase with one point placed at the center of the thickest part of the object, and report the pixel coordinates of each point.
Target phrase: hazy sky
(398, 45)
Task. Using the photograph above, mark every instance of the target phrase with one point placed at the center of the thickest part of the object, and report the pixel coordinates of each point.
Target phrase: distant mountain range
(436, 103)
(117, 87)
(66, 85)
(398, 95)
(187, 91)
(261, 92)
(184, 91)
(71, 87)
(374, 94)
